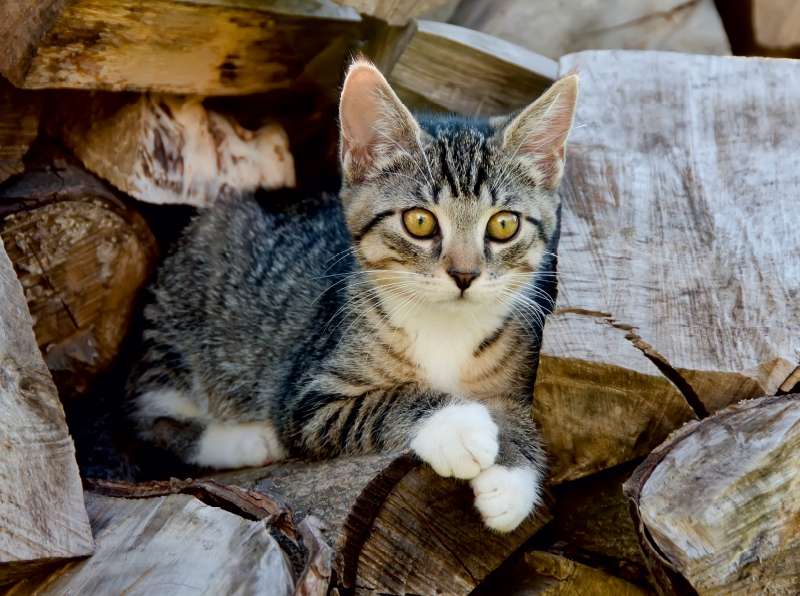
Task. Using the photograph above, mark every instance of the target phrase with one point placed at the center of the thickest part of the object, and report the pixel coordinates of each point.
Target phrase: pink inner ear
(359, 112)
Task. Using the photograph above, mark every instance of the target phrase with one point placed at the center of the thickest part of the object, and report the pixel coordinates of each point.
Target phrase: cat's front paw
(238, 446)
(506, 496)
(459, 440)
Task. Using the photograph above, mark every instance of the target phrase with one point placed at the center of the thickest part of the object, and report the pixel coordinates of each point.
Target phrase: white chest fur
(444, 340)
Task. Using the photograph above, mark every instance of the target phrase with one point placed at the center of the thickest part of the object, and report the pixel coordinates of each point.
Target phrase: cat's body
(333, 327)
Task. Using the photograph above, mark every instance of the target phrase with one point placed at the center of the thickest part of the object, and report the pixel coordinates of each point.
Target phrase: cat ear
(374, 122)
(540, 132)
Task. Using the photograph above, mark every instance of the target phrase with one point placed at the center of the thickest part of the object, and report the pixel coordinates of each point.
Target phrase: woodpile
(677, 292)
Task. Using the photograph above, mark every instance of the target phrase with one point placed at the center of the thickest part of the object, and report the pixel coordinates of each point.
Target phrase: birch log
(170, 546)
(674, 232)
(81, 253)
(204, 47)
(717, 504)
(395, 526)
(167, 149)
(42, 517)
(437, 66)
(555, 28)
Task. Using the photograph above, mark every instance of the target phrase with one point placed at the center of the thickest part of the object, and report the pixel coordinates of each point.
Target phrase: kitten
(407, 313)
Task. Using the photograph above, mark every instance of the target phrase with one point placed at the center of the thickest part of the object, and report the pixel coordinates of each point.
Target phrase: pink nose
(463, 279)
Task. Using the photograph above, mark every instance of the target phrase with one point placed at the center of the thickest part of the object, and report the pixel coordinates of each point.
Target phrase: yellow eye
(419, 222)
(502, 226)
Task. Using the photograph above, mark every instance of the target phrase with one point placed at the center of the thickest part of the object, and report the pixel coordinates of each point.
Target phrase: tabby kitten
(406, 313)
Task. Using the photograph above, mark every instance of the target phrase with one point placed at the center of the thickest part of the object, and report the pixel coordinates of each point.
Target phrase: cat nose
(463, 279)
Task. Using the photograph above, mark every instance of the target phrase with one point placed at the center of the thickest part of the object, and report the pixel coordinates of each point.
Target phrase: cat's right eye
(420, 223)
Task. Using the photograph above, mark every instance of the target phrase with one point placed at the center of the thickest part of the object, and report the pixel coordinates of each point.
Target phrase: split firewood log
(42, 517)
(166, 149)
(539, 573)
(19, 125)
(170, 545)
(394, 12)
(716, 506)
(394, 525)
(82, 253)
(436, 66)
(776, 26)
(677, 266)
(555, 28)
(203, 47)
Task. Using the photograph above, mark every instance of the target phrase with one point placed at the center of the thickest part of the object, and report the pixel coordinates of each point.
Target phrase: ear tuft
(374, 122)
(540, 132)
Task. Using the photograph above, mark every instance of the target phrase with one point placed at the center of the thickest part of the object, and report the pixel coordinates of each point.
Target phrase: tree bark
(394, 525)
(716, 505)
(42, 516)
(81, 253)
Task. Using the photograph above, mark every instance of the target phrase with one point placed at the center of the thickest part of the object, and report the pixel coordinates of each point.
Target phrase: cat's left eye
(420, 223)
(502, 226)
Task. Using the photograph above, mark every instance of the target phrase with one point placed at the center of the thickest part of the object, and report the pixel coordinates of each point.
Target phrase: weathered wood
(717, 503)
(675, 252)
(394, 525)
(171, 545)
(539, 573)
(555, 28)
(42, 517)
(443, 67)
(776, 24)
(205, 47)
(19, 125)
(598, 400)
(170, 150)
(81, 253)
(394, 12)
(592, 514)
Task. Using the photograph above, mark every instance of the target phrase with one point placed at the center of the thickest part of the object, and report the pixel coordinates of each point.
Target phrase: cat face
(446, 210)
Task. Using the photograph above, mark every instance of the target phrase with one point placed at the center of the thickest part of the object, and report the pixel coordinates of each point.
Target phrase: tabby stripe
(311, 403)
(325, 433)
(347, 427)
(492, 339)
(538, 225)
(380, 418)
(451, 181)
(373, 222)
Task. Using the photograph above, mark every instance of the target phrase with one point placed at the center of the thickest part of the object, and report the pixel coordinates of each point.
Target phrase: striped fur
(324, 328)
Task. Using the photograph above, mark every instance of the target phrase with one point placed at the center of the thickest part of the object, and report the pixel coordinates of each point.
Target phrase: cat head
(451, 210)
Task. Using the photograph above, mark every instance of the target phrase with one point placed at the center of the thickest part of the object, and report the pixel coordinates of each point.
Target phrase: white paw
(506, 496)
(239, 446)
(459, 440)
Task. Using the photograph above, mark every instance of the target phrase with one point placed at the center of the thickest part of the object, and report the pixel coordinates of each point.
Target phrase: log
(19, 125)
(441, 67)
(82, 253)
(555, 28)
(716, 505)
(394, 12)
(42, 516)
(539, 573)
(203, 47)
(170, 545)
(677, 265)
(776, 26)
(394, 525)
(165, 149)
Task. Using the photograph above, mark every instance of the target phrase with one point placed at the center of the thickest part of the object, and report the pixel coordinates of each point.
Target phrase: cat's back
(250, 282)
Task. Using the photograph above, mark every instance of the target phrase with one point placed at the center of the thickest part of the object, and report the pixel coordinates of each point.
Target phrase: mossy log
(167, 149)
(716, 506)
(395, 527)
(678, 269)
(82, 253)
(203, 47)
(42, 517)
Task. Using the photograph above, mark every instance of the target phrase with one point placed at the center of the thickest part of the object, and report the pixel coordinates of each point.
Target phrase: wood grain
(81, 253)
(395, 526)
(165, 149)
(170, 546)
(42, 516)
(717, 503)
(776, 24)
(205, 47)
(675, 232)
(19, 125)
(394, 12)
(444, 67)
